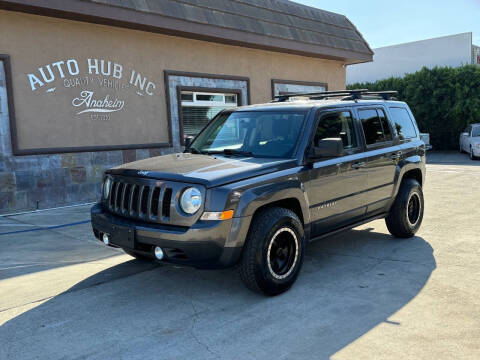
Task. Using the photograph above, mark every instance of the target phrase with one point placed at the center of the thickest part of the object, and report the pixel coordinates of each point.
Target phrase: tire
(472, 157)
(273, 252)
(138, 256)
(406, 214)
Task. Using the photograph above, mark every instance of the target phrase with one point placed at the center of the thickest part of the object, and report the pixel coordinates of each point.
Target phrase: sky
(384, 23)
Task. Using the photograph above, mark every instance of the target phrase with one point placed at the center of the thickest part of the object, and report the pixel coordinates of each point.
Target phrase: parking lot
(361, 295)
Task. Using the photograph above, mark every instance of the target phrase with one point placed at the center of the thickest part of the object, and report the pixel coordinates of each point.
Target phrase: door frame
(355, 154)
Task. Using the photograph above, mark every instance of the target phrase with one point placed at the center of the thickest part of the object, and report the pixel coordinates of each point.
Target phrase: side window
(372, 127)
(337, 125)
(403, 123)
(384, 122)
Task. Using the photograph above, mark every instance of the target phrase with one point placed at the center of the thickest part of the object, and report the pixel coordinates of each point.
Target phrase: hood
(207, 170)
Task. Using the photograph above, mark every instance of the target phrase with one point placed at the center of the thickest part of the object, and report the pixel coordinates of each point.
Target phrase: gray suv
(260, 182)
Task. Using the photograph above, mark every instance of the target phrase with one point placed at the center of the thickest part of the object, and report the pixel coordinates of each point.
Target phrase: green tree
(443, 100)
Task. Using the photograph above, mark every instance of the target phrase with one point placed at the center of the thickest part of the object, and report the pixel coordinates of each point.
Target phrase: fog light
(106, 239)
(158, 253)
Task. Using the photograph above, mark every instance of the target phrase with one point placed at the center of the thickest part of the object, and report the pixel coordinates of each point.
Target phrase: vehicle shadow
(350, 283)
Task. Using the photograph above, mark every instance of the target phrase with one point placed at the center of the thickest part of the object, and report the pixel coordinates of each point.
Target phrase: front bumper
(476, 150)
(206, 244)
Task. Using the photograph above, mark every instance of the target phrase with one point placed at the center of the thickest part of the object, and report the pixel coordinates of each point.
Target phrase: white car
(470, 141)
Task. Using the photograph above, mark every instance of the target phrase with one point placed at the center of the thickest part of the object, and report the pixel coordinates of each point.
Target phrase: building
(90, 84)
(398, 60)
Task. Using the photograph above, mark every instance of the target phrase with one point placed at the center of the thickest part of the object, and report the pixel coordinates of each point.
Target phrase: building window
(282, 87)
(182, 89)
(198, 108)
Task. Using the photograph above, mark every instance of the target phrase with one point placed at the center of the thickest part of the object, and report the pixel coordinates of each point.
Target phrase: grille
(141, 201)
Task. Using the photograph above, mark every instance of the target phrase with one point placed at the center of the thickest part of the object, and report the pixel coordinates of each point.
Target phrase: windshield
(476, 131)
(252, 133)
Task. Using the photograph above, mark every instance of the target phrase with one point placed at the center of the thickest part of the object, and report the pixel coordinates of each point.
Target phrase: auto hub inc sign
(99, 87)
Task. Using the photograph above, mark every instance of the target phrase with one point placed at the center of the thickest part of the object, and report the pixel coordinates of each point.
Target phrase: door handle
(396, 156)
(359, 165)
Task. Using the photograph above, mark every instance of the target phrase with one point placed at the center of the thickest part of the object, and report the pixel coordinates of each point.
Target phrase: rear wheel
(406, 214)
(273, 252)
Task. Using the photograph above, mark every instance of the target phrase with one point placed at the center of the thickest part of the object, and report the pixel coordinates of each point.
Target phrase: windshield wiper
(237, 152)
(231, 152)
(193, 150)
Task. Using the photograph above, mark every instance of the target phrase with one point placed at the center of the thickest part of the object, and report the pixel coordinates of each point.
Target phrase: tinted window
(262, 133)
(476, 131)
(387, 132)
(337, 125)
(403, 123)
(372, 126)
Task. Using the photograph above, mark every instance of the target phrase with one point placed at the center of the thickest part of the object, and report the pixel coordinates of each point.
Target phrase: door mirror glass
(330, 147)
(188, 141)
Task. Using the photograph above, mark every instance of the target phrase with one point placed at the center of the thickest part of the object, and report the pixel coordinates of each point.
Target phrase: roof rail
(347, 94)
(385, 95)
(320, 94)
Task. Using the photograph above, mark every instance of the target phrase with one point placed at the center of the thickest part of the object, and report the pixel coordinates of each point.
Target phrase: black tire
(138, 256)
(406, 214)
(273, 253)
(472, 157)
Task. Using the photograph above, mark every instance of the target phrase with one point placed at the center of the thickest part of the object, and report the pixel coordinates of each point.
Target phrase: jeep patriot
(260, 182)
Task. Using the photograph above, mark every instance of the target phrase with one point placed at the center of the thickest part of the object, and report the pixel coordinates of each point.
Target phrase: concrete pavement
(361, 294)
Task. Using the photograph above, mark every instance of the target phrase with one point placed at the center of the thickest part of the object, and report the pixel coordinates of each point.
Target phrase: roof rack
(347, 95)
(385, 95)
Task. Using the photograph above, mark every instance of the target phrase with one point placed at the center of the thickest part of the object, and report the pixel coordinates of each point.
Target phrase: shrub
(443, 100)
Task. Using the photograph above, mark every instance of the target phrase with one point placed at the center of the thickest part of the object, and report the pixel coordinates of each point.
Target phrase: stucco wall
(47, 119)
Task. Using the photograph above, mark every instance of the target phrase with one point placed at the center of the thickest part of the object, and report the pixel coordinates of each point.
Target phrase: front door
(336, 185)
(382, 160)
(464, 139)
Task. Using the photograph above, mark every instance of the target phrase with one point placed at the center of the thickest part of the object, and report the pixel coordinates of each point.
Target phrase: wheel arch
(286, 194)
(292, 204)
(412, 168)
(415, 174)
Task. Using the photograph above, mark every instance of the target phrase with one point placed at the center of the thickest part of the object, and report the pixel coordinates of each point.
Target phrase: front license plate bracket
(123, 236)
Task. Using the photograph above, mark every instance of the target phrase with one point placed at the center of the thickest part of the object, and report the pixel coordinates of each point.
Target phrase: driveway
(361, 295)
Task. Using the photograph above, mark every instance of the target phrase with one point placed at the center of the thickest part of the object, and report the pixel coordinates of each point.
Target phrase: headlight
(107, 185)
(191, 200)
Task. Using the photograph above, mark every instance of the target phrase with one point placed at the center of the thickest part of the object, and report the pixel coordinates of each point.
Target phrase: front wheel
(273, 252)
(406, 214)
(472, 157)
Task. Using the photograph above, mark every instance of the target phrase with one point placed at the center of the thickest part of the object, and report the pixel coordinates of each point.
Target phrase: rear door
(382, 157)
(335, 187)
(464, 139)
(468, 139)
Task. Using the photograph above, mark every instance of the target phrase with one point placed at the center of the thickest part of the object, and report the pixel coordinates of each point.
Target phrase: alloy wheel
(282, 253)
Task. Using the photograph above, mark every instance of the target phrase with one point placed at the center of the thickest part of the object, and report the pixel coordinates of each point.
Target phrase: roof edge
(150, 22)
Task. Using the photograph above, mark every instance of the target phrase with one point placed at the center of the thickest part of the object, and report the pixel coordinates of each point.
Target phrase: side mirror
(188, 141)
(330, 147)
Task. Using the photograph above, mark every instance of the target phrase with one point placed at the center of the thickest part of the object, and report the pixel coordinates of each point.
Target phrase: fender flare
(411, 163)
(254, 198)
